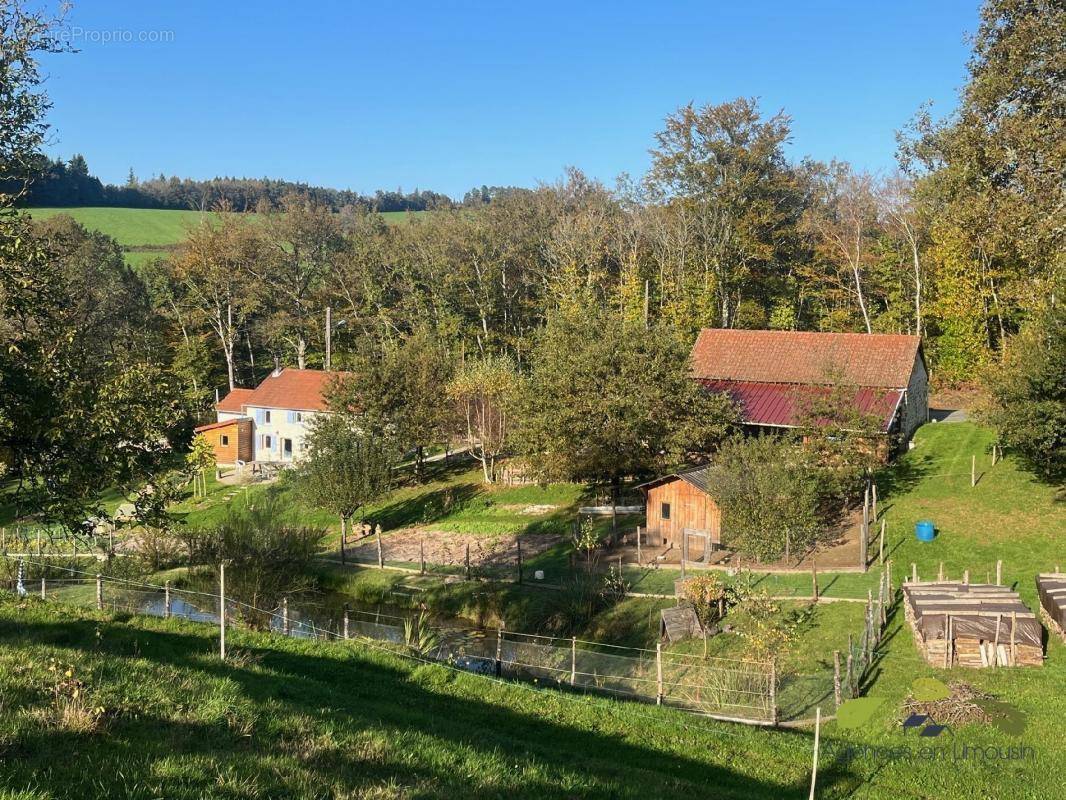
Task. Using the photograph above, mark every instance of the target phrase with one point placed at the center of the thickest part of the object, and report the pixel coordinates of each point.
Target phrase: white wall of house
(915, 409)
(223, 416)
(279, 433)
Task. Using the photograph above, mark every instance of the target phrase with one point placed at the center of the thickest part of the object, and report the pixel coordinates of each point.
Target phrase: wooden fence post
(873, 490)
(999, 572)
(285, 615)
(518, 545)
(836, 677)
(468, 560)
(38, 541)
(914, 572)
(499, 649)
(973, 471)
(659, 672)
(573, 660)
(639, 559)
(381, 555)
(99, 592)
(44, 592)
(774, 711)
(814, 580)
(222, 610)
(850, 674)
(940, 573)
(864, 543)
(166, 600)
(422, 554)
(345, 621)
(881, 545)
(966, 577)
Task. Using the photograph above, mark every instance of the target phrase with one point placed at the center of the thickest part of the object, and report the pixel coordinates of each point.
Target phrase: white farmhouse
(268, 424)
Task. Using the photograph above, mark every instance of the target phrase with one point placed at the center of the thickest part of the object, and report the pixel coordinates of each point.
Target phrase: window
(266, 442)
(293, 416)
(266, 415)
(223, 440)
(286, 448)
(665, 513)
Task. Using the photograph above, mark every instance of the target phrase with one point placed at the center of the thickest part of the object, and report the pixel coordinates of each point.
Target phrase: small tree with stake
(346, 465)
(200, 459)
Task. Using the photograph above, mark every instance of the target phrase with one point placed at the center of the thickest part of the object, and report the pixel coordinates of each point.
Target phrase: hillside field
(147, 233)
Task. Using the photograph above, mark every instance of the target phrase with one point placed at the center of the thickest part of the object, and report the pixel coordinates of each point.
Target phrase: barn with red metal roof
(774, 375)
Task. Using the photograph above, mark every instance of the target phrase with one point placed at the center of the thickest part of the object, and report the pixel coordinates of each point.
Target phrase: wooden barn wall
(689, 508)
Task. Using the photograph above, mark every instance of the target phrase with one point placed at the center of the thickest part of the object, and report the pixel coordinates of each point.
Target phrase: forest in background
(103, 369)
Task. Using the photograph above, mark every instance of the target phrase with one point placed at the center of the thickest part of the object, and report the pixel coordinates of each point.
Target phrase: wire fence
(724, 688)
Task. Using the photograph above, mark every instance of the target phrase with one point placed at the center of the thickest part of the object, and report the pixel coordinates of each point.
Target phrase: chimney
(216, 397)
(277, 366)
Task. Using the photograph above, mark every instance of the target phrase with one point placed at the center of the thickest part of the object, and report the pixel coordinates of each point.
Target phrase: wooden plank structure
(679, 622)
(1051, 587)
(972, 625)
(679, 507)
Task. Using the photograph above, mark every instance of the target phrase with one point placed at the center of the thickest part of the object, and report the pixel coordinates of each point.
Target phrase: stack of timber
(1052, 589)
(972, 625)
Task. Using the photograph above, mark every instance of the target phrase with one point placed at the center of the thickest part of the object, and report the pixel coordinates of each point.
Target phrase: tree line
(69, 183)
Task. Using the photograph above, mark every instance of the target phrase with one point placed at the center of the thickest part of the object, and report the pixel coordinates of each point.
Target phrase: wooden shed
(231, 439)
(972, 625)
(1052, 589)
(680, 502)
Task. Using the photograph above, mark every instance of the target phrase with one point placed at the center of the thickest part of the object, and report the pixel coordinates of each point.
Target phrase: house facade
(773, 375)
(268, 424)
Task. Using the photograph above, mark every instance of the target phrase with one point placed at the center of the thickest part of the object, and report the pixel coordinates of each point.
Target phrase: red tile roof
(234, 401)
(779, 404)
(879, 360)
(296, 389)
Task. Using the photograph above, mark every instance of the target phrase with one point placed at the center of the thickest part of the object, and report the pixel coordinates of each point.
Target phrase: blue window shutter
(290, 416)
(259, 416)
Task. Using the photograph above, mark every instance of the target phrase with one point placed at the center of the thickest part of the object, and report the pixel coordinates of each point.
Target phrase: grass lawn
(148, 233)
(454, 499)
(291, 718)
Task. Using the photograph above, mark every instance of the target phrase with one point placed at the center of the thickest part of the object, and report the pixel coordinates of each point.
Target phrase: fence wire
(713, 686)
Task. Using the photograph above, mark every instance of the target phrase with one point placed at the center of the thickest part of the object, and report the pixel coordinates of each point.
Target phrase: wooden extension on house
(972, 625)
(231, 439)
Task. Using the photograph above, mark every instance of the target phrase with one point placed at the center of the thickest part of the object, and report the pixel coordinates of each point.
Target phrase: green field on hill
(147, 233)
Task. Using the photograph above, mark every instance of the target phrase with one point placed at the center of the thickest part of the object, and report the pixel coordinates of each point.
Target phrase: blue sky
(449, 95)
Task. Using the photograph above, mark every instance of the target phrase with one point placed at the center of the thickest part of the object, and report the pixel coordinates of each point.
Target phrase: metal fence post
(99, 592)
(285, 615)
(658, 673)
(222, 610)
(345, 620)
(166, 600)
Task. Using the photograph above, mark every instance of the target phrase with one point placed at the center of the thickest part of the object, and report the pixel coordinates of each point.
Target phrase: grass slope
(300, 719)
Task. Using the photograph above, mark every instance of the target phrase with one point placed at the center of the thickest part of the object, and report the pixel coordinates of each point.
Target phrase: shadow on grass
(319, 706)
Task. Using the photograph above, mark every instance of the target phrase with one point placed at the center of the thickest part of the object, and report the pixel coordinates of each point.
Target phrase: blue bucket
(925, 531)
